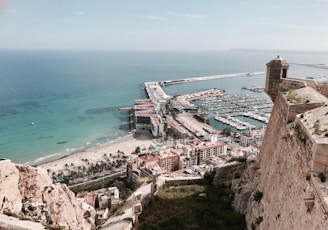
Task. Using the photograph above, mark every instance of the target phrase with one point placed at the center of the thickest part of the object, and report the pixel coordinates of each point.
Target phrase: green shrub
(322, 177)
(209, 177)
(259, 220)
(239, 159)
(257, 196)
(308, 177)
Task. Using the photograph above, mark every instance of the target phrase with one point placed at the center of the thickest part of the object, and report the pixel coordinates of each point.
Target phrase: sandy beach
(126, 145)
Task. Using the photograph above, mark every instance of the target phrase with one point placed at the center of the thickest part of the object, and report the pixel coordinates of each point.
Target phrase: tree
(226, 132)
(209, 177)
(137, 150)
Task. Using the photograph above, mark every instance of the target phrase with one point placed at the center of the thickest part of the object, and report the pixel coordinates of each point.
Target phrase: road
(91, 182)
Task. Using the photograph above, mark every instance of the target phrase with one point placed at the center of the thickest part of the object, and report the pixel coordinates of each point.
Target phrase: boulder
(28, 193)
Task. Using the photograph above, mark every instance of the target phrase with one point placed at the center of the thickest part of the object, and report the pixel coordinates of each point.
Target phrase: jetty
(255, 89)
(206, 78)
(234, 122)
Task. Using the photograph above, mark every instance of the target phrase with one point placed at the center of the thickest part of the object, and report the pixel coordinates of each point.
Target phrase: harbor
(226, 108)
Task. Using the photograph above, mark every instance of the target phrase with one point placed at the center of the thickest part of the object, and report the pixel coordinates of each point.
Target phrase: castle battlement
(303, 102)
(313, 132)
(293, 160)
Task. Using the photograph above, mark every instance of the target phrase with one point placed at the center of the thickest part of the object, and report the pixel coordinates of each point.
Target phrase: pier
(234, 122)
(157, 95)
(255, 89)
(207, 78)
(155, 92)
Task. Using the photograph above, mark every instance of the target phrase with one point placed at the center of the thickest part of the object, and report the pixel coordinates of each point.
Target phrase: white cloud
(154, 17)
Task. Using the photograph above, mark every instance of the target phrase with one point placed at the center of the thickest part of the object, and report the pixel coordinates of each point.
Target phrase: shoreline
(105, 152)
(58, 156)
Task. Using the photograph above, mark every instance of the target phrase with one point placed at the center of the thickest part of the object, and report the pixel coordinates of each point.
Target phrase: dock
(207, 78)
(227, 107)
(234, 122)
(155, 92)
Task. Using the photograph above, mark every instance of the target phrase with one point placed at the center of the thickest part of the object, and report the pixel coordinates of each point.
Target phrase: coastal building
(144, 109)
(101, 199)
(147, 117)
(205, 150)
(169, 162)
(177, 156)
(252, 137)
(132, 170)
(114, 194)
(142, 166)
(150, 165)
(150, 170)
(178, 129)
(185, 153)
(157, 126)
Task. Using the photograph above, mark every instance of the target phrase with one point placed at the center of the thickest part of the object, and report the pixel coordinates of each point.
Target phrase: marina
(225, 108)
(234, 122)
(222, 106)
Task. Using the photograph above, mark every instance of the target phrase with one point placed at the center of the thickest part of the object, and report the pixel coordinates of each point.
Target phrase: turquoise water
(70, 96)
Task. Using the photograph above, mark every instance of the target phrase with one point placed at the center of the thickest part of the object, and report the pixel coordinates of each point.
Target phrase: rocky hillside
(28, 193)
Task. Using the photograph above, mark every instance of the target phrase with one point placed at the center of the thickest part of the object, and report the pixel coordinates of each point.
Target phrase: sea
(54, 103)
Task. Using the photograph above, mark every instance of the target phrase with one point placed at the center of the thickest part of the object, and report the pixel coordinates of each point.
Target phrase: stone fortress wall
(293, 153)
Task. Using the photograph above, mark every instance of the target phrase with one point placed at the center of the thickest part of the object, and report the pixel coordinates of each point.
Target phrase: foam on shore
(126, 144)
(71, 151)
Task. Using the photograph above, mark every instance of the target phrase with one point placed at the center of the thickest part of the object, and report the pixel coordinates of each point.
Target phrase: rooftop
(278, 62)
(208, 145)
(148, 158)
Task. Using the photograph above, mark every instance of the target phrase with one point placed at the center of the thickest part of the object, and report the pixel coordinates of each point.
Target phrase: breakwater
(206, 78)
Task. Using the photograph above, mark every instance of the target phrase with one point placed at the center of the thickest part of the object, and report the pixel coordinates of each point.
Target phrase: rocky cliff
(281, 190)
(28, 193)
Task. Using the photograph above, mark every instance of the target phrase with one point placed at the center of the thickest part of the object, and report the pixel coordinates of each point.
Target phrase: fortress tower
(276, 70)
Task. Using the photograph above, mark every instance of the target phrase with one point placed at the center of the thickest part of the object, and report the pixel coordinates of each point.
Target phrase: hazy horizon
(186, 25)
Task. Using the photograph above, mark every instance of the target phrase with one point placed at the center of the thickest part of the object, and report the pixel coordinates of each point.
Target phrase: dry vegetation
(293, 97)
(192, 207)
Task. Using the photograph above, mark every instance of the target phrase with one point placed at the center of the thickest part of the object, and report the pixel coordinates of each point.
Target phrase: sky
(164, 24)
